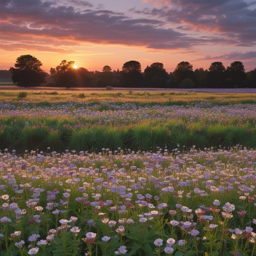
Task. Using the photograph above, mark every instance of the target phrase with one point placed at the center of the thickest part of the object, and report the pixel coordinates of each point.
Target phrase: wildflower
(120, 229)
(170, 241)
(16, 233)
(39, 208)
(33, 251)
(172, 212)
(75, 230)
(5, 197)
(194, 232)
(168, 250)
(5, 220)
(66, 195)
(216, 202)
(233, 236)
(186, 224)
(50, 237)
(250, 199)
(42, 242)
(248, 229)
(73, 219)
(181, 242)
(33, 237)
(105, 238)
(63, 221)
(19, 244)
(228, 207)
(91, 235)
(158, 242)
(112, 223)
(121, 250)
(174, 222)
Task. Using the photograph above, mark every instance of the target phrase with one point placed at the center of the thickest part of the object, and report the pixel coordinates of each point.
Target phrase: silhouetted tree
(201, 77)
(82, 77)
(131, 74)
(155, 75)
(251, 79)
(107, 69)
(216, 76)
(236, 74)
(183, 70)
(65, 75)
(28, 72)
(106, 77)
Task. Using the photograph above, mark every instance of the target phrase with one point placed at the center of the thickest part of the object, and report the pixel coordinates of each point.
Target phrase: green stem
(196, 246)
(253, 249)
(75, 246)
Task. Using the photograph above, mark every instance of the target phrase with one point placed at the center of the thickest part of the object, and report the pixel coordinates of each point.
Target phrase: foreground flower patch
(199, 203)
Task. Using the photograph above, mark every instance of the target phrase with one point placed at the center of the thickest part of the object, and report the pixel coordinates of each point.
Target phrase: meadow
(101, 175)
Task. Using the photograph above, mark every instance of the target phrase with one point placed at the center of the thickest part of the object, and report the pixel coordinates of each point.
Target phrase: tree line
(27, 73)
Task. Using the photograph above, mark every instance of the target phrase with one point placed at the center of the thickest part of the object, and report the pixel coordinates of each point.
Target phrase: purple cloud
(43, 19)
(233, 19)
(251, 55)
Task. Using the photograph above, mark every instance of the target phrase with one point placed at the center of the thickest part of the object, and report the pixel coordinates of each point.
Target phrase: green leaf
(214, 254)
(134, 249)
(191, 253)
(206, 254)
(178, 253)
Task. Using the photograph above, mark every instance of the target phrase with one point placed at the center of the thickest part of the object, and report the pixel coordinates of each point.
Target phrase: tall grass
(62, 133)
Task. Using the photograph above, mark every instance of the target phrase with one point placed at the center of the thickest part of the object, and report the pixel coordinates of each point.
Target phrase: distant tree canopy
(106, 69)
(105, 78)
(183, 70)
(216, 76)
(251, 79)
(155, 75)
(201, 77)
(28, 72)
(65, 75)
(131, 74)
(131, 66)
(236, 74)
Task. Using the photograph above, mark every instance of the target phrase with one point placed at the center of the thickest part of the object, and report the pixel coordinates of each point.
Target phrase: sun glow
(75, 66)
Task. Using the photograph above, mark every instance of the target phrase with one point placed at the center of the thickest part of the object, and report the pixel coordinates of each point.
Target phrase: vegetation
(68, 75)
(27, 72)
(135, 126)
(199, 203)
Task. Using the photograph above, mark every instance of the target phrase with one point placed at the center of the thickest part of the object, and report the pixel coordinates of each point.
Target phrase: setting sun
(75, 66)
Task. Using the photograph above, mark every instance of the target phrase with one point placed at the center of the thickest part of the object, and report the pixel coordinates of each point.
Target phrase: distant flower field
(134, 126)
(110, 203)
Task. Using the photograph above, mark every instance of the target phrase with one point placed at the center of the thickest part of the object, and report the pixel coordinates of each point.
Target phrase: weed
(22, 95)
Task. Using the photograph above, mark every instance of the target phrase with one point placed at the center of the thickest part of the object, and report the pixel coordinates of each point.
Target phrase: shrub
(81, 95)
(109, 88)
(50, 84)
(22, 95)
(187, 83)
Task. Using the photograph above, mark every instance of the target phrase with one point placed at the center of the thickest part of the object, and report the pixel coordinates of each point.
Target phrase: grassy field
(127, 173)
(91, 126)
(128, 96)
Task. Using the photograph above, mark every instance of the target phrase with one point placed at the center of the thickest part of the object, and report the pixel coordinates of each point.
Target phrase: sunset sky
(94, 33)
